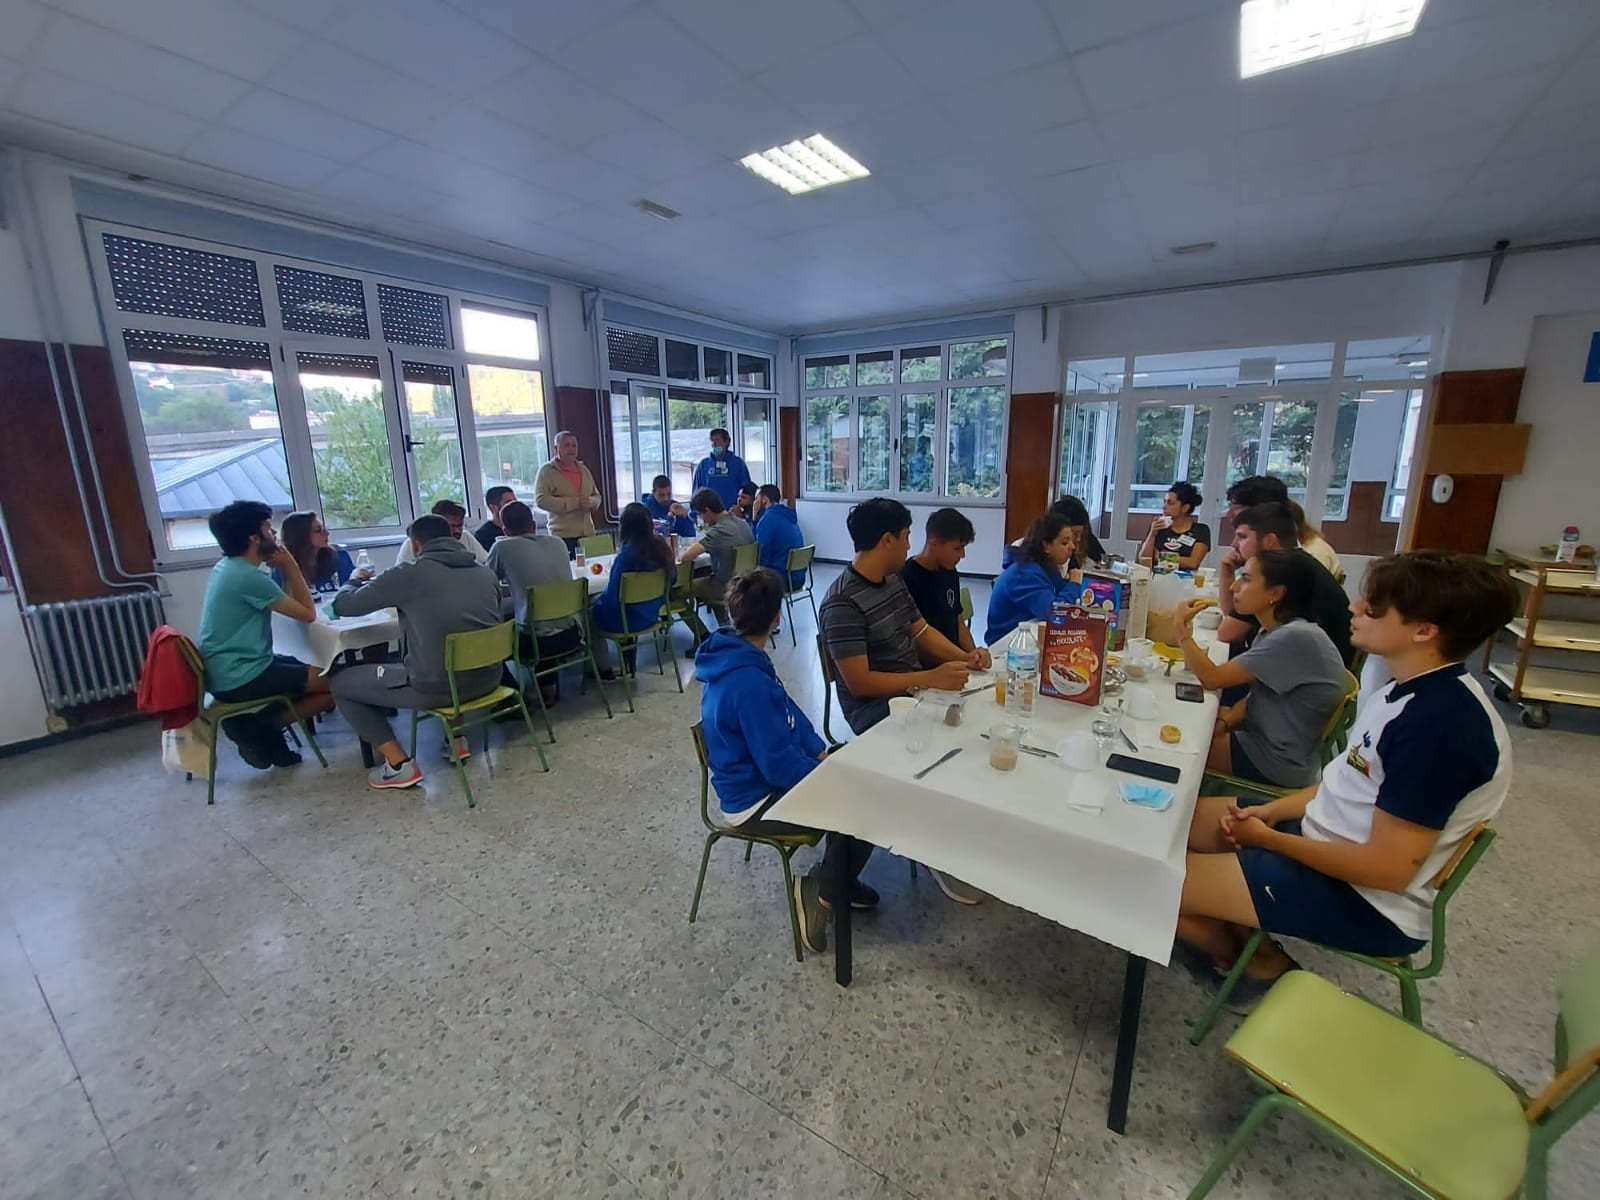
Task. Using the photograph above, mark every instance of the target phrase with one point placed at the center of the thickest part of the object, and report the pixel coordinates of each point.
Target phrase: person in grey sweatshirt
(444, 591)
(523, 558)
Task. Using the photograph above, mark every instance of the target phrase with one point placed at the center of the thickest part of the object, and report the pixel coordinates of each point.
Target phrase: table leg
(368, 758)
(839, 888)
(1127, 1044)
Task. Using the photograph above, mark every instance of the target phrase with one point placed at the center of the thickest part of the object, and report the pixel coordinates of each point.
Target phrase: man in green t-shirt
(236, 632)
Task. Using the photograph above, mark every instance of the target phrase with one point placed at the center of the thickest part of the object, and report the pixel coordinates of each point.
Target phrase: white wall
(1036, 357)
(822, 523)
(1378, 427)
(1486, 336)
(571, 345)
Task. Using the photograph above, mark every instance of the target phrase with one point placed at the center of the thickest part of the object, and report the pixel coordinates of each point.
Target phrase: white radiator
(93, 649)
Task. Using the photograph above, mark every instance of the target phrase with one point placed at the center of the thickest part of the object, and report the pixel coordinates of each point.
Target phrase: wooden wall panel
(1363, 530)
(1465, 523)
(1030, 458)
(578, 409)
(789, 452)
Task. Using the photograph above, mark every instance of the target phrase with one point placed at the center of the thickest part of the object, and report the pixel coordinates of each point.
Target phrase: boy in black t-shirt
(930, 576)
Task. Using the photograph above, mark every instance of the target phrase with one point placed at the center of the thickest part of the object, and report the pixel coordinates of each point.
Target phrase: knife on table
(940, 761)
(1027, 749)
(1132, 745)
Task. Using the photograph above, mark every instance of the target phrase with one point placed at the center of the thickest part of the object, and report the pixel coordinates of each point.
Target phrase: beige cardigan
(570, 514)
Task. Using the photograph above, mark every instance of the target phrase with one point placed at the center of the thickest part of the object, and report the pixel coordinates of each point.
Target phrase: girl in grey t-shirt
(1296, 678)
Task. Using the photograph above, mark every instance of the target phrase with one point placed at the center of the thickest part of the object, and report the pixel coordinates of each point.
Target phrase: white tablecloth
(321, 642)
(597, 583)
(1115, 875)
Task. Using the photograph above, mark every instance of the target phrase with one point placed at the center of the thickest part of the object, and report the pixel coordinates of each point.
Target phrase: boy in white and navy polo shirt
(1347, 863)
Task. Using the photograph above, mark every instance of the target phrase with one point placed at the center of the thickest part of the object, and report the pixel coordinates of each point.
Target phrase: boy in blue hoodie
(658, 500)
(759, 744)
(777, 533)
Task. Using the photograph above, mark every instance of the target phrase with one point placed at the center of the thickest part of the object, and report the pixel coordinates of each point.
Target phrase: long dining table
(1059, 842)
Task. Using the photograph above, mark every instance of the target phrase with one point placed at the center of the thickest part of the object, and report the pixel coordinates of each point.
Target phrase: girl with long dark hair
(1034, 580)
(639, 548)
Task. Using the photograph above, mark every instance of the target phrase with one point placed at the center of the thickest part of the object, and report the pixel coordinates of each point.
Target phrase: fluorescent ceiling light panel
(805, 166)
(1274, 34)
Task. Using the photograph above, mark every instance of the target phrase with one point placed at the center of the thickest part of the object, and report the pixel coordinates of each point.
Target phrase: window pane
(1169, 445)
(692, 415)
(1336, 503)
(435, 432)
(349, 440)
(1089, 454)
(632, 353)
(1244, 441)
(874, 368)
(174, 281)
(977, 441)
(754, 372)
(1098, 375)
(314, 302)
(509, 423)
(973, 360)
(413, 318)
(648, 416)
(212, 433)
(628, 484)
(683, 360)
(827, 443)
(919, 429)
(1230, 368)
(755, 422)
(1402, 358)
(1289, 452)
(830, 372)
(719, 366)
(502, 334)
(872, 444)
(921, 365)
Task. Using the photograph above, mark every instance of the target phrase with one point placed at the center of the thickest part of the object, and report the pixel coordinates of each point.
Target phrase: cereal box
(1123, 595)
(1072, 659)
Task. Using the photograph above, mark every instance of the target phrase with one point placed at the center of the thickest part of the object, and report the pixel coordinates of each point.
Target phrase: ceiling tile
(1023, 101)
(1576, 86)
(720, 188)
(754, 35)
(947, 44)
(1310, 90)
(1328, 135)
(843, 83)
(480, 184)
(331, 77)
(987, 205)
(1046, 152)
(86, 52)
(431, 43)
(218, 33)
(482, 137)
(543, 25)
(1151, 173)
(1086, 23)
(270, 114)
(591, 181)
(1392, 212)
(1553, 132)
(49, 96)
(737, 120)
(307, 15)
(1531, 34)
(1271, 184)
(649, 62)
(373, 189)
(1488, 105)
(1201, 55)
(259, 158)
(22, 20)
(10, 76)
(549, 99)
(1170, 125)
(911, 134)
(650, 150)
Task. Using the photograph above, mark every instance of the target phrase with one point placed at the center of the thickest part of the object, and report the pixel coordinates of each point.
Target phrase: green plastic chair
(1445, 883)
(469, 651)
(636, 588)
(215, 712)
(966, 606)
(830, 677)
(1437, 1120)
(551, 602)
(746, 558)
(784, 844)
(1331, 744)
(597, 544)
(800, 559)
(680, 601)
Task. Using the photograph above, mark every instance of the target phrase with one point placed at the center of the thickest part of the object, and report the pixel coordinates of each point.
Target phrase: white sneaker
(407, 774)
(961, 893)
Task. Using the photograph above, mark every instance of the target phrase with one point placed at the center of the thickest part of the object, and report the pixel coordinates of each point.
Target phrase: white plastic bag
(187, 749)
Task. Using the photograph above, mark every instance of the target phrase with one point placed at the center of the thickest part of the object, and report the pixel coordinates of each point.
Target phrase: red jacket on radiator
(167, 684)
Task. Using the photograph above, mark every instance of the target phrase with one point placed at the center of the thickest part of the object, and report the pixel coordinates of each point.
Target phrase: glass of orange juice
(1000, 688)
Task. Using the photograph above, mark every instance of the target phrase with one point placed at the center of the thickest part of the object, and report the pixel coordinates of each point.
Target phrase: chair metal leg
(211, 770)
(600, 684)
(793, 640)
(665, 644)
(748, 847)
(466, 784)
(1259, 1112)
(544, 710)
(311, 738)
(1208, 1018)
(623, 674)
(788, 896)
(527, 719)
(1410, 1001)
(699, 884)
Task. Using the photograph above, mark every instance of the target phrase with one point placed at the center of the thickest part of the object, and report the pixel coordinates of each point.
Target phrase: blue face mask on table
(1146, 795)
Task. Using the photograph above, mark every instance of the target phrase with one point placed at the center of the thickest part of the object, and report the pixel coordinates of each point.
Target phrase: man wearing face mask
(722, 470)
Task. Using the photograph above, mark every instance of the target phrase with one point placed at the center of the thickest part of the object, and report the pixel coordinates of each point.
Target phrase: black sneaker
(1247, 993)
(279, 753)
(813, 916)
(247, 733)
(863, 896)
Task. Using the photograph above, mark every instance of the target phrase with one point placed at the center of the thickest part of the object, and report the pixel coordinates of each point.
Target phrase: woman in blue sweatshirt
(1033, 581)
(758, 742)
(640, 548)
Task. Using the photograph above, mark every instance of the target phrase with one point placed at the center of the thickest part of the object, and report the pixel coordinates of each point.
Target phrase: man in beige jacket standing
(567, 492)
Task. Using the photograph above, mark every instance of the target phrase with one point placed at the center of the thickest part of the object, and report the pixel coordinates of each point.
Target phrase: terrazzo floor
(313, 990)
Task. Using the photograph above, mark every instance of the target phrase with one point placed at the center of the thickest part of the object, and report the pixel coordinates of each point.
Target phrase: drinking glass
(1107, 721)
(919, 727)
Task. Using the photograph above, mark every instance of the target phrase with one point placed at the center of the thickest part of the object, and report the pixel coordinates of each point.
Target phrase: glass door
(638, 442)
(1089, 455)
(356, 441)
(757, 436)
(430, 425)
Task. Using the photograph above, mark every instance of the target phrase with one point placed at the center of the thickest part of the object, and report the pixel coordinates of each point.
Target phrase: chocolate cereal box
(1072, 659)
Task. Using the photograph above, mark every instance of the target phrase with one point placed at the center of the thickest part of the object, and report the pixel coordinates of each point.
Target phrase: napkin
(1146, 795)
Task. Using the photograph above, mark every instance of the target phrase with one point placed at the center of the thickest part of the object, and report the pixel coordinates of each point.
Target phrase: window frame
(896, 390)
(283, 344)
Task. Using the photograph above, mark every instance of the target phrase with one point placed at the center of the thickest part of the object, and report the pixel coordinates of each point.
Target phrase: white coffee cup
(1138, 648)
(1142, 705)
(1079, 751)
(899, 706)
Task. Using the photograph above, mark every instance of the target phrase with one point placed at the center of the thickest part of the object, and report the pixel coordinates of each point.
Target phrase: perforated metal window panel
(174, 281)
(634, 353)
(190, 349)
(312, 302)
(433, 373)
(360, 366)
(413, 318)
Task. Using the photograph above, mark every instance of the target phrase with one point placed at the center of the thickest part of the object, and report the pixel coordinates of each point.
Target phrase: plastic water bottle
(1022, 673)
(1568, 550)
(363, 560)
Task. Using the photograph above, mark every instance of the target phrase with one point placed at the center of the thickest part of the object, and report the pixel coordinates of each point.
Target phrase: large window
(1169, 446)
(921, 422)
(254, 376)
